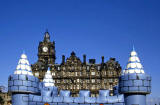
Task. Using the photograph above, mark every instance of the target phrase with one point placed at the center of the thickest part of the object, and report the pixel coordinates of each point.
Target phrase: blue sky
(91, 27)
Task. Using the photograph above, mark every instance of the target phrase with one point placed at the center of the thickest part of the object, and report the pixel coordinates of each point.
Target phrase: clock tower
(46, 50)
(46, 56)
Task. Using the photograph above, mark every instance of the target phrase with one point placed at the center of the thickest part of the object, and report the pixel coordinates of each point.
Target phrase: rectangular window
(92, 95)
(80, 73)
(77, 80)
(110, 80)
(99, 67)
(58, 81)
(98, 80)
(37, 74)
(72, 73)
(53, 74)
(88, 81)
(93, 80)
(87, 67)
(77, 86)
(75, 73)
(110, 87)
(93, 87)
(93, 73)
(111, 72)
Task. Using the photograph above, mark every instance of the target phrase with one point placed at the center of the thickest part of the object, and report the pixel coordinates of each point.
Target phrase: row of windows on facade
(85, 73)
(5, 96)
(89, 87)
(86, 81)
(80, 73)
(83, 68)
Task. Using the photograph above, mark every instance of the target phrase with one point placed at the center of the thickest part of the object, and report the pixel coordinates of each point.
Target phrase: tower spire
(24, 52)
(46, 36)
(133, 48)
(47, 30)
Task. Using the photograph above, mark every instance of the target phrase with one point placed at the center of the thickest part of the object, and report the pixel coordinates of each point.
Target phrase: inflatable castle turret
(47, 87)
(22, 82)
(134, 83)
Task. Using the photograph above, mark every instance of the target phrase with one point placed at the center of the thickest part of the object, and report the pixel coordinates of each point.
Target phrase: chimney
(84, 59)
(102, 59)
(63, 59)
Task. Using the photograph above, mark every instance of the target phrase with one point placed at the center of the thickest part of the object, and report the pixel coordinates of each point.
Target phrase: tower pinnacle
(133, 48)
(46, 36)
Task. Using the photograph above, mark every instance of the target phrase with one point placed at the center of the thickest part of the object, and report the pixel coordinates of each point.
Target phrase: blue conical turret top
(134, 65)
(23, 66)
(48, 80)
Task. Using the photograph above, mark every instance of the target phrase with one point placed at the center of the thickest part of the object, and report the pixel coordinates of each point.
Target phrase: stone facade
(6, 97)
(73, 74)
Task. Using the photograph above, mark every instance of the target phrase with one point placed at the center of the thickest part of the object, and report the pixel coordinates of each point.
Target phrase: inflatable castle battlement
(26, 89)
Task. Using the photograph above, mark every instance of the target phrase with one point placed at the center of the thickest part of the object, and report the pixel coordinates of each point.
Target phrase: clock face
(45, 49)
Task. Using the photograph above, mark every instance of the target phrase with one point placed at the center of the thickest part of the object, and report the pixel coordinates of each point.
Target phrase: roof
(23, 66)
(48, 80)
(134, 65)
